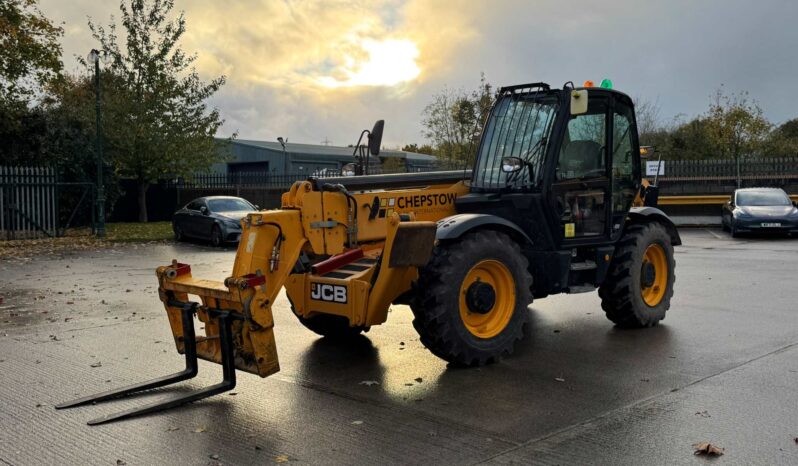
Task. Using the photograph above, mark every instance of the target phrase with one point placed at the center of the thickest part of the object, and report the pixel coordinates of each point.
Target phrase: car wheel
(216, 236)
(733, 230)
(178, 233)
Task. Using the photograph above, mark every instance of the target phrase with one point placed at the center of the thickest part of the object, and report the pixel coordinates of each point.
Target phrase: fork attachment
(188, 309)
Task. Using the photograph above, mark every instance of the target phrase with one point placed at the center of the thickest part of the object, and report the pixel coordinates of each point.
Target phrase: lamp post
(285, 155)
(94, 56)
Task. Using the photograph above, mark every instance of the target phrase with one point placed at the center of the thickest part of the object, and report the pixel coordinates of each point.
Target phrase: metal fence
(28, 202)
(751, 168)
(34, 203)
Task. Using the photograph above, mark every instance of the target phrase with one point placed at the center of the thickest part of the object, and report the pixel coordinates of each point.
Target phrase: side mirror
(375, 137)
(578, 102)
(646, 151)
(204, 210)
(512, 164)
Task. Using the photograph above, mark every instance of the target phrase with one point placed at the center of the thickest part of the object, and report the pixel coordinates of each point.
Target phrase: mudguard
(647, 214)
(457, 225)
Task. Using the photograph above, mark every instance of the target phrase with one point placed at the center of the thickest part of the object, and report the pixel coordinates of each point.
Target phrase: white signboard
(651, 168)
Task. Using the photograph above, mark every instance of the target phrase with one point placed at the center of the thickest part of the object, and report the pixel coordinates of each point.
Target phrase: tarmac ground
(721, 368)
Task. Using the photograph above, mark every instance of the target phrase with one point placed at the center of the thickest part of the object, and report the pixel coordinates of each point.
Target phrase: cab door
(625, 156)
(581, 185)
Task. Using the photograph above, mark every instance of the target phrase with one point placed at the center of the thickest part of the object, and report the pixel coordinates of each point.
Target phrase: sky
(313, 71)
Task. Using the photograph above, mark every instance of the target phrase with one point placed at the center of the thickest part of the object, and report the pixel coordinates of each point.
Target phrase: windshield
(762, 198)
(229, 205)
(519, 126)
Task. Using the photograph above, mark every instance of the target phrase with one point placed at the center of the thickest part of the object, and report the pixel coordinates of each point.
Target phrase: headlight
(740, 213)
(232, 224)
(794, 213)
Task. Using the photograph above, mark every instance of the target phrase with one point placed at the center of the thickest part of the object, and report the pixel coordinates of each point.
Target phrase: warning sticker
(570, 230)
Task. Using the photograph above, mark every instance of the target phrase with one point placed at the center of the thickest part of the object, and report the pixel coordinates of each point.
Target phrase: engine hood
(236, 215)
(767, 211)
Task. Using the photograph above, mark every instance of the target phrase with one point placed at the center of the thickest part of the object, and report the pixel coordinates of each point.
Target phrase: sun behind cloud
(387, 63)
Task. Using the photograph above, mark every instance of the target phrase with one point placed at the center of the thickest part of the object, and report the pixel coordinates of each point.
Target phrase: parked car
(213, 218)
(760, 210)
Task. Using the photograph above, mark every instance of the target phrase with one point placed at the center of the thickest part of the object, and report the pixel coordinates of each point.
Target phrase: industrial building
(249, 156)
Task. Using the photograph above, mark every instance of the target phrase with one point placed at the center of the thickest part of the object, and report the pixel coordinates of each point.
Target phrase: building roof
(334, 151)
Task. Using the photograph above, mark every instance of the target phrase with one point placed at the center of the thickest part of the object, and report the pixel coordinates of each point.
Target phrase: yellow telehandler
(554, 203)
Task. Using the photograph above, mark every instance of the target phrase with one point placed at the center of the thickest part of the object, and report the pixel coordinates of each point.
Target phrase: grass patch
(136, 232)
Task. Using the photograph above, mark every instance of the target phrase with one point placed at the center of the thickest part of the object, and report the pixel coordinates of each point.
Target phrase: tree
(736, 126)
(30, 57)
(158, 122)
(415, 148)
(453, 120)
(783, 141)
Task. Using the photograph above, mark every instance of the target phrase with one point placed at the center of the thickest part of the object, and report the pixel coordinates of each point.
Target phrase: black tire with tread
(620, 293)
(216, 236)
(179, 236)
(435, 303)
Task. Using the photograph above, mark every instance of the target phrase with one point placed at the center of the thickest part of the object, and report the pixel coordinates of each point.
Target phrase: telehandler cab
(555, 203)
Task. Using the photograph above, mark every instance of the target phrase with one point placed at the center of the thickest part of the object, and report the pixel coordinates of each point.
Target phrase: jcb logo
(330, 293)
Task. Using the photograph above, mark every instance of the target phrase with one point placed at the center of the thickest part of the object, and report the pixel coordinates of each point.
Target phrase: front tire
(471, 299)
(639, 285)
(179, 236)
(216, 236)
(733, 230)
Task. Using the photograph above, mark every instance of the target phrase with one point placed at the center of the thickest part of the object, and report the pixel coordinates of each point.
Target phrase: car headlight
(741, 214)
(794, 213)
(232, 224)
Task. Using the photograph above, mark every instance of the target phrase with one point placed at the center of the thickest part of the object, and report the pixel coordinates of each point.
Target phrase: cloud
(311, 69)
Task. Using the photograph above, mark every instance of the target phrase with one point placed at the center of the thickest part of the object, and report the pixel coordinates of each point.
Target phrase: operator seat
(580, 158)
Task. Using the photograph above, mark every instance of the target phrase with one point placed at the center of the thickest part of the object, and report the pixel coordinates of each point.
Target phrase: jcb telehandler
(555, 203)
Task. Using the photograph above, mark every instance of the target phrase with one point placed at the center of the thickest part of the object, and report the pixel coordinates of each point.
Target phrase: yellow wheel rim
(490, 320)
(655, 256)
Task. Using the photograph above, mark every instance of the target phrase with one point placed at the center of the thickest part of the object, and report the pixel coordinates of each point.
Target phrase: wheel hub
(480, 297)
(648, 275)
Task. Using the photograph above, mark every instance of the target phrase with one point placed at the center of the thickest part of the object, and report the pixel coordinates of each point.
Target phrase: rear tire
(457, 316)
(625, 298)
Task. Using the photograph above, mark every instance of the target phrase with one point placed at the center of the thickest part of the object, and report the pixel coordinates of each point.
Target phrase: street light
(285, 154)
(95, 56)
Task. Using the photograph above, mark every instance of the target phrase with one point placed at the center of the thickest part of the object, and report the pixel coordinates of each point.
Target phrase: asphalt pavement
(721, 368)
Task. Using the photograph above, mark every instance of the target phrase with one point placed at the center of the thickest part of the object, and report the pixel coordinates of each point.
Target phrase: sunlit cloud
(389, 62)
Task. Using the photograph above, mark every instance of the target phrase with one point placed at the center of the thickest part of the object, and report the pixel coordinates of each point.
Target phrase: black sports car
(760, 210)
(213, 218)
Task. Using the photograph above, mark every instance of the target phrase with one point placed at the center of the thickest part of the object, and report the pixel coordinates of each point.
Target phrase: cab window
(583, 150)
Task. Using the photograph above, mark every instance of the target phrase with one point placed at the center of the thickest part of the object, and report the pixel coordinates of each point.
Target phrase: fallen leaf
(559, 379)
(706, 448)
(96, 364)
(199, 429)
(281, 459)
(369, 383)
